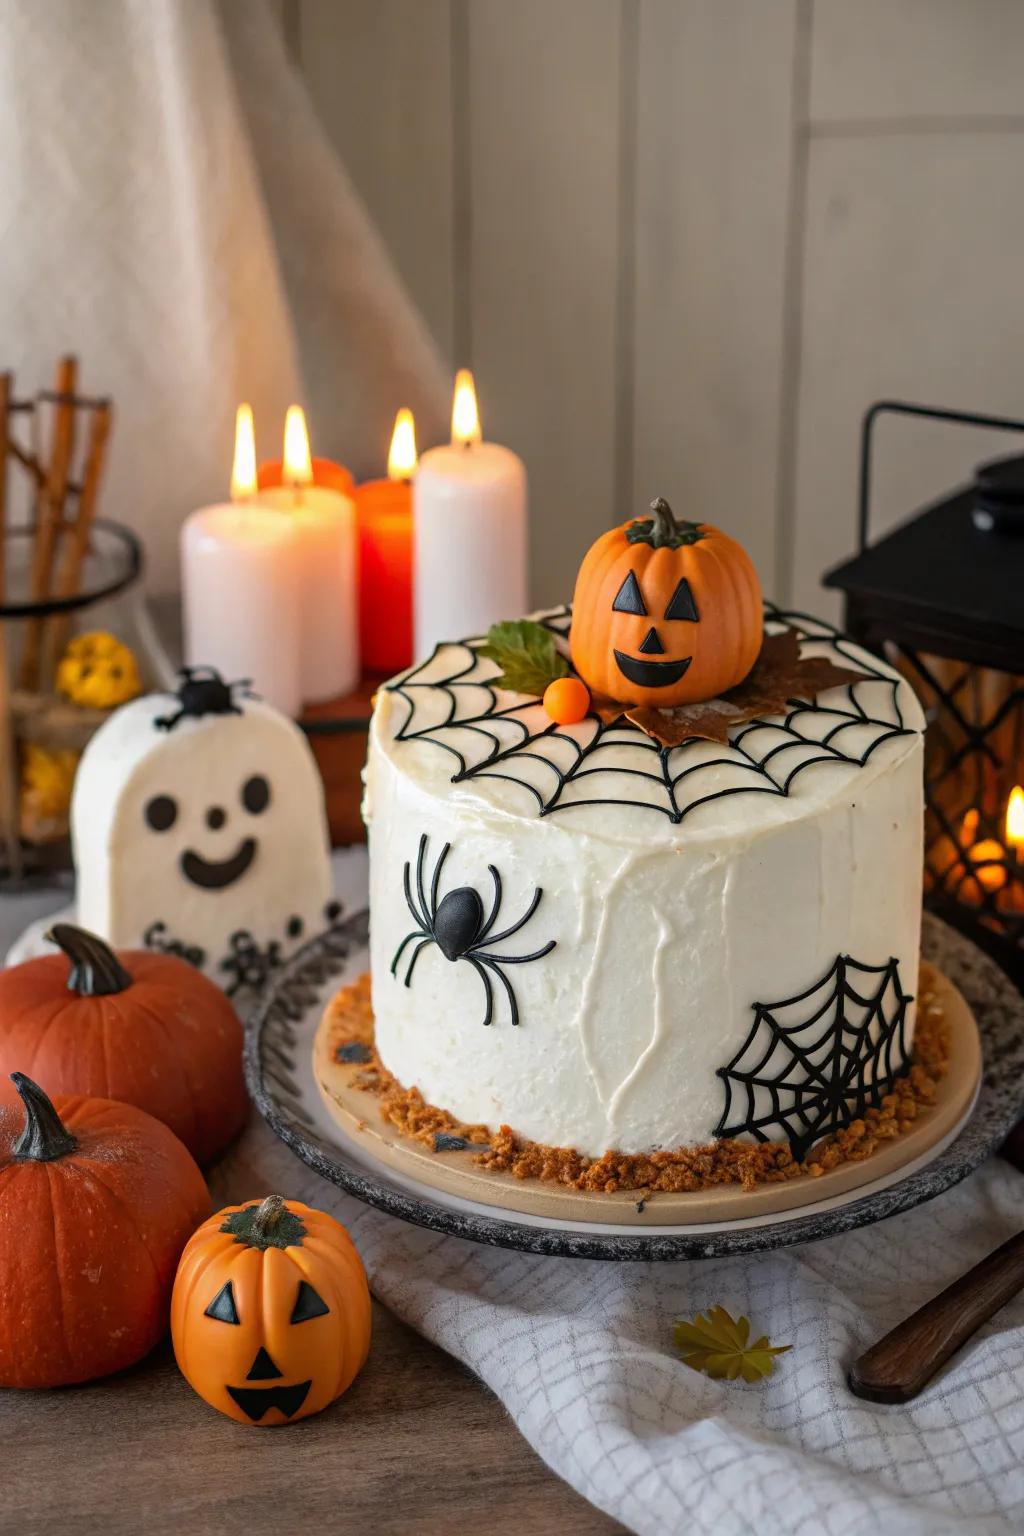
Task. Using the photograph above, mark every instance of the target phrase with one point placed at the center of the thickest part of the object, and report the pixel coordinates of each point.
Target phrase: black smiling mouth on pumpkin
(650, 674)
(256, 1401)
(212, 875)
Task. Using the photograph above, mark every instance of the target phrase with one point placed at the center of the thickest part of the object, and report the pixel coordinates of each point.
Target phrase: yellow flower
(98, 671)
(46, 780)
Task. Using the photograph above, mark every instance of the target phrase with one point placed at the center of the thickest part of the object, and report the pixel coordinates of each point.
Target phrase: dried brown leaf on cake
(719, 1346)
(779, 675)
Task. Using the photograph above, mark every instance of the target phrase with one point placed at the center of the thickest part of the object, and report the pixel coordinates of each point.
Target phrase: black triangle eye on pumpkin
(681, 604)
(308, 1304)
(629, 598)
(222, 1308)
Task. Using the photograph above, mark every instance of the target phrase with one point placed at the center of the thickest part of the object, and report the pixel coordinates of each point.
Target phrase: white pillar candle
(470, 532)
(241, 599)
(240, 587)
(324, 525)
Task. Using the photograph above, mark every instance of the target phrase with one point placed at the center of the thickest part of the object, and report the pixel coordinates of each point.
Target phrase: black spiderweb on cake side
(561, 767)
(814, 1063)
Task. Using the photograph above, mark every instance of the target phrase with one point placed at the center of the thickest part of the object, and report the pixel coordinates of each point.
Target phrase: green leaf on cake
(719, 1346)
(526, 654)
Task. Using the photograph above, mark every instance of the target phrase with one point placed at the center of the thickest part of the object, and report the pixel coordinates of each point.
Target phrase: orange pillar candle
(328, 475)
(384, 514)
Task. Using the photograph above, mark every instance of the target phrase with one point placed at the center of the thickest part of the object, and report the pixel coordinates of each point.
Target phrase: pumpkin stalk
(95, 969)
(663, 530)
(44, 1137)
(267, 1219)
(270, 1224)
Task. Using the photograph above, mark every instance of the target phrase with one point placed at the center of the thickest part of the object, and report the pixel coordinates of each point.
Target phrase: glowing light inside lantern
(298, 466)
(402, 457)
(969, 827)
(243, 468)
(1015, 819)
(465, 416)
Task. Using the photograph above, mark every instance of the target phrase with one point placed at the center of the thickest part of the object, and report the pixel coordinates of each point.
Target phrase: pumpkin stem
(44, 1136)
(95, 969)
(267, 1225)
(267, 1218)
(663, 530)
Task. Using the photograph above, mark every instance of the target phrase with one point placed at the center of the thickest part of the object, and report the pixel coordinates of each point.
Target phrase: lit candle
(240, 586)
(1015, 820)
(328, 474)
(469, 531)
(994, 866)
(384, 510)
(323, 520)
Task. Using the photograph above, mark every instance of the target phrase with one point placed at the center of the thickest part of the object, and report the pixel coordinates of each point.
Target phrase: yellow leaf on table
(719, 1346)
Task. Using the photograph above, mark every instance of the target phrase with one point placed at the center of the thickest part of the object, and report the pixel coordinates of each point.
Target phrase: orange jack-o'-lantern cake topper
(666, 612)
(668, 630)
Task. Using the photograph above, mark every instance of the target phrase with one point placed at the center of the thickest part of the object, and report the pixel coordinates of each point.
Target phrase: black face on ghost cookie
(209, 868)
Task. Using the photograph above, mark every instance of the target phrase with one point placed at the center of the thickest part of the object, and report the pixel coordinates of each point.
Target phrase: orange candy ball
(567, 700)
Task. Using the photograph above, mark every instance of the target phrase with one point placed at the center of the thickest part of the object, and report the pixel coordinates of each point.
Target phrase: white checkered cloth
(581, 1355)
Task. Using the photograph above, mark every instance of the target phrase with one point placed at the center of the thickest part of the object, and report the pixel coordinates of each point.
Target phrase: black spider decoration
(249, 964)
(202, 691)
(456, 924)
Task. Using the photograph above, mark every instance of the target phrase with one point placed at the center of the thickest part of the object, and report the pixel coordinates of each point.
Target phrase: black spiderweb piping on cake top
(456, 923)
(810, 1074)
(565, 766)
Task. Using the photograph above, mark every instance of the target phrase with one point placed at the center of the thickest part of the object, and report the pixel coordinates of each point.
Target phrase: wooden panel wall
(713, 159)
(684, 243)
(543, 124)
(915, 160)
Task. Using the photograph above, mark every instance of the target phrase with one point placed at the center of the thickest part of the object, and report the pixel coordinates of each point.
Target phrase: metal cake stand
(278, 1061)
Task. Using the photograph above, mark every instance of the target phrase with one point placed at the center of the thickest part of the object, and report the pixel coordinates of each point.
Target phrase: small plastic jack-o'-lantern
(665, 612)
(270, 1314)
(97, 670)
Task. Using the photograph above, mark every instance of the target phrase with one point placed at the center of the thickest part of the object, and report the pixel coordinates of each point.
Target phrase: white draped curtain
(171, 212)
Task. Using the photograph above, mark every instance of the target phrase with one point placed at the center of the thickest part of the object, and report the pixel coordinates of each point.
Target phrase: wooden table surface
(417, 1446)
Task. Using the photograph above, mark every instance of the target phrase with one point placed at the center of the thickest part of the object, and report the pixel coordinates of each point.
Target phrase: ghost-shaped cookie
(198, 826)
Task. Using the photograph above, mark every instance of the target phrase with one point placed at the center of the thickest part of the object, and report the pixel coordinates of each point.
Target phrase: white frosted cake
(605, 942)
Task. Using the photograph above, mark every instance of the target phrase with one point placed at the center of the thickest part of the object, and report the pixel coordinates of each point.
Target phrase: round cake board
(456, 1174)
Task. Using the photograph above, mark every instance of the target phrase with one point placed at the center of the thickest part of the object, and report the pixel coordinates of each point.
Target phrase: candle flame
(298, 467)
(402, 459)
(465, 416)
(243, 468)
(1015, 819)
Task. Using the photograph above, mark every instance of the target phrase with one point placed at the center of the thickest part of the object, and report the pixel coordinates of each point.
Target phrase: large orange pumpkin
(271, 1311)
(96, 1203)
(665, 612)
(145, 1028)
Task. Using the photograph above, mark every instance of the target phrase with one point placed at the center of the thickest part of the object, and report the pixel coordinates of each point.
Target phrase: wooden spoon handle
(896, 1368)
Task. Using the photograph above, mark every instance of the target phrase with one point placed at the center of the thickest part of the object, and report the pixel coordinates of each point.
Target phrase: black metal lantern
(943, 597)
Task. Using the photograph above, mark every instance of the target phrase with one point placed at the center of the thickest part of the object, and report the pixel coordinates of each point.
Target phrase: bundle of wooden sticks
(57, 439)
